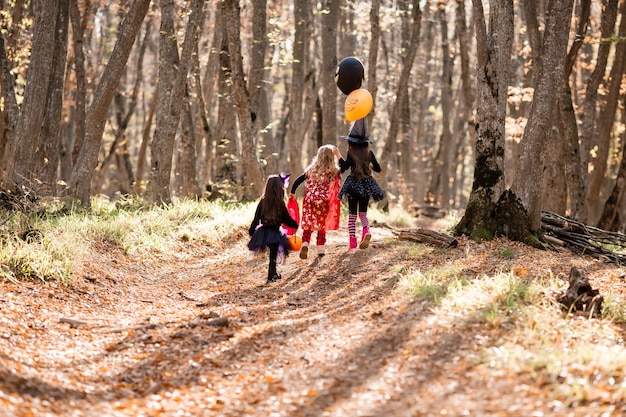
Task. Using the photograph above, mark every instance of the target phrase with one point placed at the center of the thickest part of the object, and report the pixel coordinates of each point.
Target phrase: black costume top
(344, 164)
(284, 218)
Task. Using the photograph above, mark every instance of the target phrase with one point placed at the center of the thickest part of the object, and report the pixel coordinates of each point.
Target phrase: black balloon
(349, 75)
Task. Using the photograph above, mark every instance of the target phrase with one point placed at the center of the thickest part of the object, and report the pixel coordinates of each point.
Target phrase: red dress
(316, 202)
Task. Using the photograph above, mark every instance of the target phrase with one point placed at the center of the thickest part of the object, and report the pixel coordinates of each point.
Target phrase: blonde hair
(323, 163)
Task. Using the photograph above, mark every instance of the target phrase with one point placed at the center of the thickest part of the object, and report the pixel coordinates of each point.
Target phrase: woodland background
(174, 99)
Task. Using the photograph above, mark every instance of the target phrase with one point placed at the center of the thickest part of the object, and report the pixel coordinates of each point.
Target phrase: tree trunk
(252, 179)
(172, 81)
(140, 183)
(401, 91)
(80, 181)
(611, 218)
(20, 165)
(372, 61)
(258, 51)
(227, 169)
(466, 78)
(534, 40)
(296, 93)
(213, 77)
(442, 173)
(423, 157)
(494, 62)
(529, 178)
(590, 105)
(185, 167)
(604, 127)
(568, 126)
(329, 19)
(47, 153)
(79, 72)
(124, 110)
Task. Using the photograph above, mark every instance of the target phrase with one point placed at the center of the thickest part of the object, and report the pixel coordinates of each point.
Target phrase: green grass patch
(45, 244)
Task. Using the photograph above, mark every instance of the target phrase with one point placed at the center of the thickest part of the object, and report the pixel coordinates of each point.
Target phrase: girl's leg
(353, 206)
(272, 275)
(306, 238)
(321, 241)
(366, 236)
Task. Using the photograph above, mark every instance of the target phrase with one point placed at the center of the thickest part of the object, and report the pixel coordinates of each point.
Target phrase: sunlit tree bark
(329, 19)
(401, 91)
(493, 48)
(535, 142)
(569, 125)
(603, 132)
(173, 71)
(20, 164)
(80, 181)
(252, 179)
(591, 99)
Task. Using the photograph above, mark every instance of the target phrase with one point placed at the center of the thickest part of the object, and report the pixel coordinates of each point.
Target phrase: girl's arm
(344, 164)
(286, 219)
(375, 164)
(296, 184)
(337, 153)
(256, 220)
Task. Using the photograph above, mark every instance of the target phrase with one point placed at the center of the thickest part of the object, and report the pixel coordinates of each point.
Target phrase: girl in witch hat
(359, 186)
(265, 229)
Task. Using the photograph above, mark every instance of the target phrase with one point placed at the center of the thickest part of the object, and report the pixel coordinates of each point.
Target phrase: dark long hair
(272, 200)
(360, 153)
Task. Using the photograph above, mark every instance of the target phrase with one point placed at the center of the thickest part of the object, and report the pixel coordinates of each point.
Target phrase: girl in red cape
(322, 178)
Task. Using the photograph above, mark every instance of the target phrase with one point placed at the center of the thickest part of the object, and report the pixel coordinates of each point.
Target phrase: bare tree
(603, 131)
(80, 181)
(330, 16)
(591, 99)
(173, 71)
(23, 140)
(611, 218)
(569, 126)
(124, 110)
(401, 89)
(46, 155)
(493, 50)
(528, 181)
(252, 174)
(296, 93)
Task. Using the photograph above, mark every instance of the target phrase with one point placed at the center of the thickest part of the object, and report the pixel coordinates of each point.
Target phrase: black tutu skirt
(266, 236)
(367, 187)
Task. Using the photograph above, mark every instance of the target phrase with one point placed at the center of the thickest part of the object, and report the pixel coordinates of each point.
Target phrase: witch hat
(358, 133)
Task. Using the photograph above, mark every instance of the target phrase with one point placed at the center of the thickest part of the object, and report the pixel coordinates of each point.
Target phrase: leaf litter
(199, 333)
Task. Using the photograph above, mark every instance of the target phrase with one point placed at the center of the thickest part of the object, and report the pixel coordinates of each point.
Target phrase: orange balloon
(358, 104)
(295, 242)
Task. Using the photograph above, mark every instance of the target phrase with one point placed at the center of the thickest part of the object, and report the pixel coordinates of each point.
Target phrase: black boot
(274, 278)
(272, 275)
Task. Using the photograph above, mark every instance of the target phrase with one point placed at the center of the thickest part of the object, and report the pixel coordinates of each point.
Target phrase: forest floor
(199, 333)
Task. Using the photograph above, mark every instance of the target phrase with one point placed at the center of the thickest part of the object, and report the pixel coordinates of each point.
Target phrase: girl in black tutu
(359, 186)
(265, 230)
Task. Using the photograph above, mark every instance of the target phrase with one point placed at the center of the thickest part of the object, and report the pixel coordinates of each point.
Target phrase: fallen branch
(137, 327)
(73, 322)
(583, 239)
(428, 236)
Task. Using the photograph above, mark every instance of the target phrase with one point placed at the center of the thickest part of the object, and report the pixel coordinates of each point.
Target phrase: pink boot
(352, 242)
(365, 239)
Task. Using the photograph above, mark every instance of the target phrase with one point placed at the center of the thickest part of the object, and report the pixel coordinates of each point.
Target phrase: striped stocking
(352, 224)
